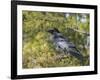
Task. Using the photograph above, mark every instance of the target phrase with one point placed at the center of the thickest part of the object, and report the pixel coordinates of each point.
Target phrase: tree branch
(83, 32)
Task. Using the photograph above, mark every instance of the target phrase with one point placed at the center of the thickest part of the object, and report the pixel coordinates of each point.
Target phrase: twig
(83, 32)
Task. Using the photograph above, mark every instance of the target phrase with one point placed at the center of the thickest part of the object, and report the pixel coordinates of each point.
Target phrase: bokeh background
(39, 51)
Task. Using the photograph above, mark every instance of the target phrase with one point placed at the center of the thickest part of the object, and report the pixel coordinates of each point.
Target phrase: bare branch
(83, 32)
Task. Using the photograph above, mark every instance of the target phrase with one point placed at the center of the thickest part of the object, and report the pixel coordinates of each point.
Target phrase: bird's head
(53, 30)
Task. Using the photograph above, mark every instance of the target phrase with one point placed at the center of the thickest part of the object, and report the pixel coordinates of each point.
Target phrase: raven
(63, 44)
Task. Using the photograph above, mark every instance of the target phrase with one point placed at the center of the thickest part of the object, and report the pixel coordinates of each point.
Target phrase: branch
(83, 32)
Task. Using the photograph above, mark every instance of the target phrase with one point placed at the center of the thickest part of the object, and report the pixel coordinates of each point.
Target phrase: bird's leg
(66, 52)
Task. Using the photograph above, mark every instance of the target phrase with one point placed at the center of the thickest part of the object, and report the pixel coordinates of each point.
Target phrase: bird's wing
(71, 45)
(60, 42)
(73, 49)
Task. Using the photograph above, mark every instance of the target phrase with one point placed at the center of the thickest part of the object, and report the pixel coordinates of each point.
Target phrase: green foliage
(38, 50)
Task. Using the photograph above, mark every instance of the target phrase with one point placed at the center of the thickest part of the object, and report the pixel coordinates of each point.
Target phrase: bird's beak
(49, 31)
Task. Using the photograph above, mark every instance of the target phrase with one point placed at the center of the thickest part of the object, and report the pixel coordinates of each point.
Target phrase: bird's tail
(78, 56)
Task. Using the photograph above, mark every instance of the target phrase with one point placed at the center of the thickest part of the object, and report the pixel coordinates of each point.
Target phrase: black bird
(63, 44)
